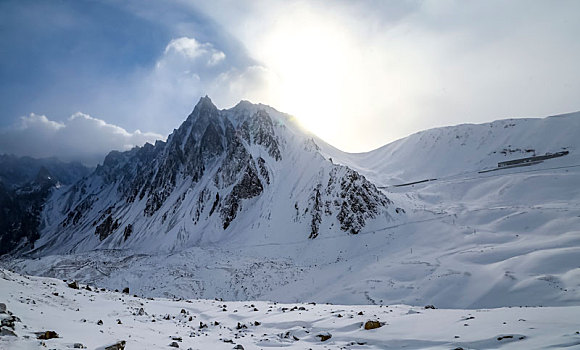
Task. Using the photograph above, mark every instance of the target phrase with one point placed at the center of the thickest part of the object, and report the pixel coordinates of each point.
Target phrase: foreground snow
(44, 304)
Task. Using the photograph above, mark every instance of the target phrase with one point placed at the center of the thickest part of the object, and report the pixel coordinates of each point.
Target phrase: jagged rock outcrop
(222, 172)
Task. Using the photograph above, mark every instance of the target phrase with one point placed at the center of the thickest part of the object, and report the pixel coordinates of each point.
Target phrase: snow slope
(466, 240)
(97, 318)
(462, 149)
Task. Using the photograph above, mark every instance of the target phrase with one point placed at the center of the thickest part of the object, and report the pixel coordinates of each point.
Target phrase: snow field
(74, 314)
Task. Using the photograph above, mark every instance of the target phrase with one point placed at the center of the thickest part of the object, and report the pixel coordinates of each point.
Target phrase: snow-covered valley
(466, 243)
(499, 245)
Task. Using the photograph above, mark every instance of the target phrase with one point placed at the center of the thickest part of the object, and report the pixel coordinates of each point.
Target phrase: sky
(79, 78)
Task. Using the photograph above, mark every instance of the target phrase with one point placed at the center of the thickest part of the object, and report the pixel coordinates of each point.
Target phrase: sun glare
(312, 61)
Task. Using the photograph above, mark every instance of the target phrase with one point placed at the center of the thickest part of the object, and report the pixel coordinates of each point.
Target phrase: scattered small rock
(126, 290)
(73, 285)
(100, 322)
(239, 347)
(372, 325)
(79, 346)
(8, 322)
(119, 321)
(324, 336)
(256, 323)
(432, 307)
(505, 337)
(120, 345)
(176, 338)
(2, 308)
(241, 325)
(174, 344)
(360, 313)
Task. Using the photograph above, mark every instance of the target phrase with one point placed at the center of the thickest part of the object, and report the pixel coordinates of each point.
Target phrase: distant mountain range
(25, 184)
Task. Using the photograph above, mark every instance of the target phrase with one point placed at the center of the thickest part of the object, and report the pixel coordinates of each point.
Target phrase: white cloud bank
(161, 96)
(81, 137)
(157, 98)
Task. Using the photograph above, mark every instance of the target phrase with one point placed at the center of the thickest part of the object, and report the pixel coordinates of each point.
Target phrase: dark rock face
(316, 212)
(107, 227)
(250, 186)
(127, 231)
(361, 200)
(259, 130)
(348, 196)
(20, 209)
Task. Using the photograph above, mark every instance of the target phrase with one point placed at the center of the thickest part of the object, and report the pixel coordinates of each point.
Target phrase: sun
(313, 65)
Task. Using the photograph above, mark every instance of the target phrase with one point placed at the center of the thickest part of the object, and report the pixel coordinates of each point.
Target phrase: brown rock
(372, 325)
(48, 335)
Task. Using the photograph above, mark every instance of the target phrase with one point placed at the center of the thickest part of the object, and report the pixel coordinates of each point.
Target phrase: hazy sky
(359, 74)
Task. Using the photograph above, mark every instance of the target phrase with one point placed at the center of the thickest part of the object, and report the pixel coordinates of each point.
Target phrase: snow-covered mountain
(467, 239)
(462, 149)
(25, 184)
(19, 171)
(249, 172)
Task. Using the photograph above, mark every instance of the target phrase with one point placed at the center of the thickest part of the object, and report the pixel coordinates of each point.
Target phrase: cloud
(163, 95)
(81, 137)
(360, 74)
(369, 72)
(192, 49)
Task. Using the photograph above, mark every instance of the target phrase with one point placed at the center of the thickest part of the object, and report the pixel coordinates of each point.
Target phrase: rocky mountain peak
(221, 173)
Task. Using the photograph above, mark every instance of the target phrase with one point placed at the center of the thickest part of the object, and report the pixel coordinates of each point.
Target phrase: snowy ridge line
(452, 178)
